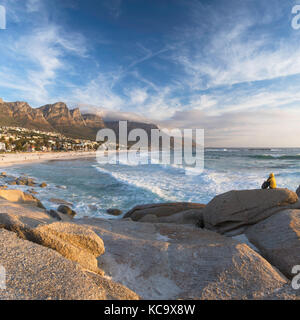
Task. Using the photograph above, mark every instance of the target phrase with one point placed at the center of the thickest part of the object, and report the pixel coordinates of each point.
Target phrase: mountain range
(58, 117)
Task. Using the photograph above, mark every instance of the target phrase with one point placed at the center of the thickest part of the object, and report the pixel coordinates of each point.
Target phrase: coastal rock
(59, 216)
(61, 201)
(43, 185)
(54, 214)
(114, 212)
(161, 209)
(93, 207)
(3, 175)
(3, 187)
(192, 216)
(20, 196)
(114, 290)
(66, 210)
(25, 181)
(298, 191)
(72, 241)
(168, 261)
(61, 187)
(32, 191)
(40, 273)
(278, 239)
(234, 211)
(21, 218)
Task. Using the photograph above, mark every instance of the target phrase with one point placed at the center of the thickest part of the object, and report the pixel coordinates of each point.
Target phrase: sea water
(93, 188)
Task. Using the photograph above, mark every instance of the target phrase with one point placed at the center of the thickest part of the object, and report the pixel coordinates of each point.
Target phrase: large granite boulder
(20, 196)
(159, 211)
(234, 211)
(169, 261)
(278, 240)
(34, 272)
(21, 218)
(73, 241)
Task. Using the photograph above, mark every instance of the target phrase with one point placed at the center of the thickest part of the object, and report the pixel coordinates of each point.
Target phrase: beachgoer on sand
(270, 183)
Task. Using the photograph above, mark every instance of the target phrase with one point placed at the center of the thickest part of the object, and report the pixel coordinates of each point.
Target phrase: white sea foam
(124, 186)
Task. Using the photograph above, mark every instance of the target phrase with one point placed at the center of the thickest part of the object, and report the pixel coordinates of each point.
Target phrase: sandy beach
(16, 158)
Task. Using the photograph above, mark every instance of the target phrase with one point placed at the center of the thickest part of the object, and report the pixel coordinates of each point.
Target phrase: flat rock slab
(278, 239)
(168, 261)
(234, 211)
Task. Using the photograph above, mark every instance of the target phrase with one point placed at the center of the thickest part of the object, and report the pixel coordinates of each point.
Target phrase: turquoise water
(93, 188)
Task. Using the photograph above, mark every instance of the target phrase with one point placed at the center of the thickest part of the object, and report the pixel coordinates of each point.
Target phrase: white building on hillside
(2, 146)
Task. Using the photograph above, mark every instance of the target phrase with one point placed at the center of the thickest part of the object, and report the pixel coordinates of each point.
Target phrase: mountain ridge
(59, 118)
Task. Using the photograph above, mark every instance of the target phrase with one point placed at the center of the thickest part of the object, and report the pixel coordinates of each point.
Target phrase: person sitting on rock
(270, 183)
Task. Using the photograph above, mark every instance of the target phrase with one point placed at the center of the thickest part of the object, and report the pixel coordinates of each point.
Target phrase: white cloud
(41, 53)
(98, 92)
(138, 96)
(234, 53)
(33, 5)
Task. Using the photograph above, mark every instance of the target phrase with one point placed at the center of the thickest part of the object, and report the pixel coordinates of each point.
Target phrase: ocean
(93, 188)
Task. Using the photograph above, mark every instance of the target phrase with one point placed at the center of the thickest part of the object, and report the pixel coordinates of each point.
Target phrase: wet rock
(114, 212)
(32, 191)
(25, 181)
(61, 201)
(54, 214)
(43, 185)
(61, 187)
(66, 210)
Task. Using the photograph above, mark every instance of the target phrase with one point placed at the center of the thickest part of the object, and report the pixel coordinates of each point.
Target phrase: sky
(229, 67)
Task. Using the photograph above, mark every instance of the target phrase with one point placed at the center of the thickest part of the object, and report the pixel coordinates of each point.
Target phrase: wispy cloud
(222, 60)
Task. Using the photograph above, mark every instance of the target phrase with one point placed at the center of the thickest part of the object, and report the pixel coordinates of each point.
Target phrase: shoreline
(21, 158)
(89, 251)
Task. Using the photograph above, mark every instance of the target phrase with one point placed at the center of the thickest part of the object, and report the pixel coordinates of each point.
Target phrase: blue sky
(231, 67)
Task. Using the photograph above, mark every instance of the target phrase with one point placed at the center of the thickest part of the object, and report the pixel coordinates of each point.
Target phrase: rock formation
(234, 211)
(169, 261)
(278, 239)
(158, 211)
(92, 258)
